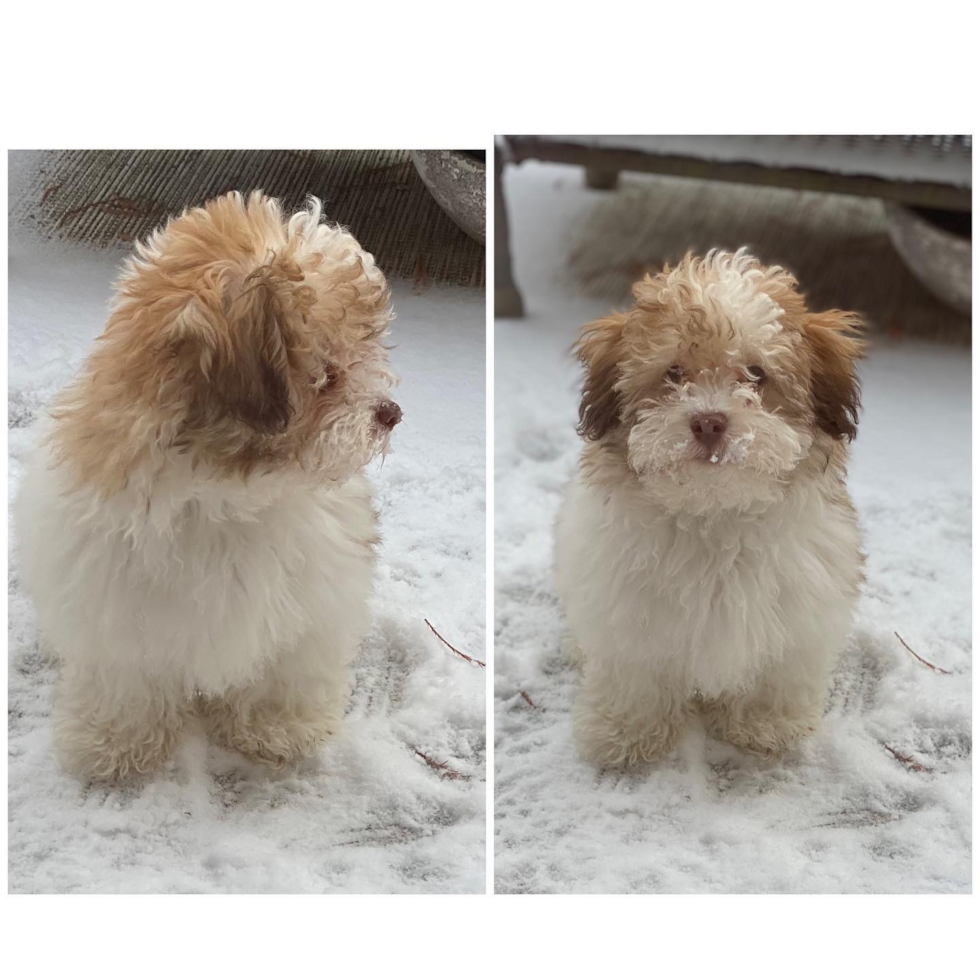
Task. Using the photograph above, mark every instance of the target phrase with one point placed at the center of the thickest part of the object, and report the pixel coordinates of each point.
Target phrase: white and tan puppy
(708, 555)
(194, 528)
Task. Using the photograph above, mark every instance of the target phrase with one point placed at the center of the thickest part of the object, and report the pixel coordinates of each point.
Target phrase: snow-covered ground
(841, 814)
(366, 814)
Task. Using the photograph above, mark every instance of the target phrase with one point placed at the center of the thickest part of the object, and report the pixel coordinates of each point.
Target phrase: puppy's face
(719, 384)
(255, 342)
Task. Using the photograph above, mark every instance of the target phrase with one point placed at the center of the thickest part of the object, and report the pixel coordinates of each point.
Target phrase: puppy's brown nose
(388, 414)
(708, 428)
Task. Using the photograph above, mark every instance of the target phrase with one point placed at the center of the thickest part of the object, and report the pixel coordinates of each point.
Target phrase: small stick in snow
(459, 653)
(527, 698)
(920, 659)
(441, 767)
(908, 760)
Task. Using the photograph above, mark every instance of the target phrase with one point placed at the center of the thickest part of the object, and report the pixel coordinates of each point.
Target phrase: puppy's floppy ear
(599, 348)
(241, 348)
(834, 386)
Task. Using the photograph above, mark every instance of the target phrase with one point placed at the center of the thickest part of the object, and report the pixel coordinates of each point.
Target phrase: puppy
(195, 528)
(708, 556)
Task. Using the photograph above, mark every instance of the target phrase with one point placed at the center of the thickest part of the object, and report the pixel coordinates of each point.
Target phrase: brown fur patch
(834, 386)
(599, 349)
(240, 361)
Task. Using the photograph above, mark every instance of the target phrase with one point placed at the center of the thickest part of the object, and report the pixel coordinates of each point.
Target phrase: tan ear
(242, 352)
(835, 390)
(599, 348)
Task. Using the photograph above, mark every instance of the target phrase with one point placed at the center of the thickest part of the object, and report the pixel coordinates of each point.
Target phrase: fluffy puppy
(194, 527)
(708, 556)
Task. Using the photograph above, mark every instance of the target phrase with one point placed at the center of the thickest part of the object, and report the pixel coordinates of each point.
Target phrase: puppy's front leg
(289, 711)
(623, 722)
(778, 712)
(112, 721)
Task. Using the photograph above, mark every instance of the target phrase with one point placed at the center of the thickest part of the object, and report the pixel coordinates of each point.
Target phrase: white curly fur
(246, 600)
(747, 614)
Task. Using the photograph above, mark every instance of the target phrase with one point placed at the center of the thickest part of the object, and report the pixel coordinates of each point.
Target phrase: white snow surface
(840, 814)
(367, 813)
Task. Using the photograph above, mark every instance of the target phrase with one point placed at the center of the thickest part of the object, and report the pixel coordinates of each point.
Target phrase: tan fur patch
(236, 335)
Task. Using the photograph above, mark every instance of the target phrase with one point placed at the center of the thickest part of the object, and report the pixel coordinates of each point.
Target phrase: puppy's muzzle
(388, 415)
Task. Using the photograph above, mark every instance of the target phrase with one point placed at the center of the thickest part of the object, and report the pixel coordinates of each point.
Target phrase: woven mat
(838, 246)
(109, 198)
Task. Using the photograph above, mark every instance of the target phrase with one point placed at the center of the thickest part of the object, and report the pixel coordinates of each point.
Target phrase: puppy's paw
(264, 734)
(769, 740)
(278, 746)
(754, 728)
(613, 741)
(113, 751)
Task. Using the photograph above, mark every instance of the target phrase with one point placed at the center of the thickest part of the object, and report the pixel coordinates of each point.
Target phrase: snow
(367, 813)
(842, 813)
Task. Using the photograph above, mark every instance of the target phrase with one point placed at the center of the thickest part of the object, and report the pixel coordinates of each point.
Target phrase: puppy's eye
(674, 374)
(755, 375)
(329, 379)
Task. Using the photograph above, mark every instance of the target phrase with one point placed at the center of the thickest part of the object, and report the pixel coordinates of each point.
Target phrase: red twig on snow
(459, 653)
(527, 698)
(908, 760)
(920, 659)
(442, 768)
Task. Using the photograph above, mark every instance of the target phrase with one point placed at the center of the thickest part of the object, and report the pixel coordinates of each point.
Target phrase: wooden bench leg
(600, 179)
(507, 300)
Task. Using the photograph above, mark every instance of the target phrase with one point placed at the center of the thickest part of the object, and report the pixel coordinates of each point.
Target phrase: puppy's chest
(680, 563)
(698, 586)
(725, 598)
(297, 565)
(298, 546)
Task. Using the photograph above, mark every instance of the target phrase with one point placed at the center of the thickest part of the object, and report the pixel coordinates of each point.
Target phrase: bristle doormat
(110, 198)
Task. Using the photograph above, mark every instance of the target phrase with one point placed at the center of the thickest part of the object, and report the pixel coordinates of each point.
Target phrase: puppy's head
(719, 383)
(254, 341)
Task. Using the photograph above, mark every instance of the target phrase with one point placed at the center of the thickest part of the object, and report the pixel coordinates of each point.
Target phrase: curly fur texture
(714, 579)
(193, 527)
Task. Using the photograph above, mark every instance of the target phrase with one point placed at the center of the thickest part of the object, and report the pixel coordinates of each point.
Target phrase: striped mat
(109, 198)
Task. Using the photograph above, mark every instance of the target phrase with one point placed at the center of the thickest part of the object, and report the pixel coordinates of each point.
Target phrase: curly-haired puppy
(708, 555)
(194, 528)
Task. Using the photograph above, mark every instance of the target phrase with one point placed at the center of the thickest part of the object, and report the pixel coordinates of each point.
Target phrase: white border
(441, 74)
